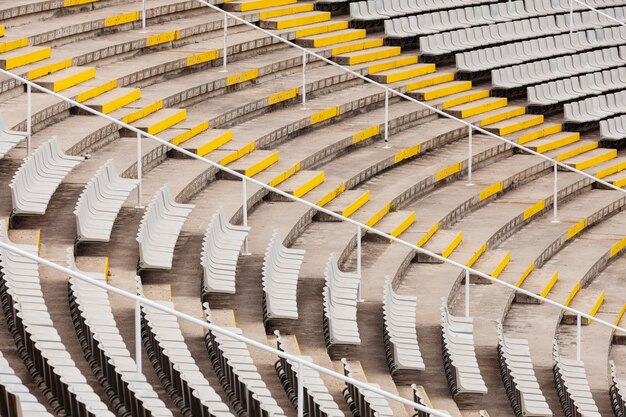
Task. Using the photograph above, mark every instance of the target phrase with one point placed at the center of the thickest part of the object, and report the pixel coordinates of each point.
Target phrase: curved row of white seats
(237, 373)
(100, 202)
(400, 334)
(174, 365)
(595, 108)
(613, 129)
(27, 315)
(15, 398)
(479, 36)
(444, 20)
(367, 403)
(39, 176)
(568, 89)
(9, 139)
(540, 48)
(420, 397)
(159, 229)
(318, 401)
(384, 9)
(91, 312)
(518, 375)
(617, 391)
(220, 251)
(562, 67)
(459, 354)
(281, 268)
(572, 386)
(340, 305)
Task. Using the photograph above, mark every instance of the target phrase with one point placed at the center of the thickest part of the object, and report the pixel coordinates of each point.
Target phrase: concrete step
(391, 63)
(368, 55)
(461, 98)
(286, 10)
(208, 141)
(478, 107)
(539, 283)
(535, 132)
(332, 38)
(66, 78)
(319, 28)
(610, 167)
(553, 141)
(160, 120)
(443, 243)
(23, 56)
(591, 158)
(586, 300)
(249, 5)
(394, 223)
(114, 99)
(185, 130)
(301, 184)
(2, 31)
(516, 124)
(10, 43)
(255, 162)
(346, 204)
(618, 180)
(575, 149)
(403, 73)
(429, 80)
(498, 115)
(295, 20)
(439, 90)
(357, 45)
(492, 262)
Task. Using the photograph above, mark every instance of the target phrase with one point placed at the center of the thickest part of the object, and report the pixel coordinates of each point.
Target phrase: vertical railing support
(138, 336)
(143, 15)
(225, 49)
(139, 169)
(578, 336)
(244, 195)
(29, 118)
(359, 258)
(467, 293)
(555, 196)
(470, 155)
(301, 389)
(387, 119)
(304, 59)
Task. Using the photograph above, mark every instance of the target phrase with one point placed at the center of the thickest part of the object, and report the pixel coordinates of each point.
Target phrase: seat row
(220, 252)
(613, 129)
(420, 397)
(363, 402)
(487, 59)
(174, 365)
(617, 392)
(459, 354)
(15, 399)
(38, 342)
(445, 20)
(568, 89)
(340, 306)
(9, 139)
(238, 375)
(572, 386)
(100, 202)
(518, 376)
(441, 44)
(281, 268)
(595, 108)
(318, 402)
(524, 75)
(159, 229)
(384, 9)
(105, 350)
(400, 334)
(39, 176)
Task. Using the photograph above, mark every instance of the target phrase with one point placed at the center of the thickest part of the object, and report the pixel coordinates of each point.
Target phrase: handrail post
(225, 48)
(138, 336)
(29, 118)
(386, 119)
(359, 257)
(301, 389)
(139, 171)
(143, 15)
(470, 156)
(244, 195)
(555, 196)
(304, 59)
(578, 336)
(467, 293)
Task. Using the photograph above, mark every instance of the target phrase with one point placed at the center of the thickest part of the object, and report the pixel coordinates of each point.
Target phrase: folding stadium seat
(15, 399)
(613, 129)
(9, 138)
(361, 401)
(617, 392)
